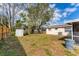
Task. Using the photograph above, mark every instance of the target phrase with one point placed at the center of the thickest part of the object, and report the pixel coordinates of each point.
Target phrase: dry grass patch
(41, 44)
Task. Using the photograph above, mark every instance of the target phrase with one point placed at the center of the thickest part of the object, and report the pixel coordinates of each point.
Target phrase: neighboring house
(75, 29)
(58, 30)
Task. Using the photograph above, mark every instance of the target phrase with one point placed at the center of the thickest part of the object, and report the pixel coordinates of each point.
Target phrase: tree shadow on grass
(11, 47)
(62, 39)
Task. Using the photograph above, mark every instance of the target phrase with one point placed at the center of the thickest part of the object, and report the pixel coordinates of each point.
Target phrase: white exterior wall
(54, 31)
(19, 32)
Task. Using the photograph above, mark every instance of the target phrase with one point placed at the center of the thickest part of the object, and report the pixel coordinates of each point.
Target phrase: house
(75, 29)
(58, 30)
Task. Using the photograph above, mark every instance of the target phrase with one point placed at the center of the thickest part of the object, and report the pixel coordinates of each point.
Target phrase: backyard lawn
(43, 45)
(33, 45)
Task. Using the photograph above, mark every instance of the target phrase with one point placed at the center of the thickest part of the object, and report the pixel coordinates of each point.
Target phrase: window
(67, 29)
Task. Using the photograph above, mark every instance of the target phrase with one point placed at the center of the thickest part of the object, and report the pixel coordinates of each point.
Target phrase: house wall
(54, 31)
(19, 32)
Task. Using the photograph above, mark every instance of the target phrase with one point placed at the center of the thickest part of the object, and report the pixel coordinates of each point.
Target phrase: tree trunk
(38, 29)
(29, 30)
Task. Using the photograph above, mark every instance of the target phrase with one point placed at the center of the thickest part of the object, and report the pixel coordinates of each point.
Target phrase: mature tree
(36, 15)
(39, 14)
(11, 10)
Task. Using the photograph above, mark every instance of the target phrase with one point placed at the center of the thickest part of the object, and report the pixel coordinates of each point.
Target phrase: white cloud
(73, 4)
(57, 10)
(77, 5)
(70, 9)
(57, 13)
(65, 14)
(52, 5)
(57, 16)
(55, 21)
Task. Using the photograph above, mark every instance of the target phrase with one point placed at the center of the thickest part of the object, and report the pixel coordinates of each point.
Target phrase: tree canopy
(34, 15)
(39, 14)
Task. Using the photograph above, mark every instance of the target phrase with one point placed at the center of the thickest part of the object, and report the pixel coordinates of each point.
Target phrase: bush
(18, 24)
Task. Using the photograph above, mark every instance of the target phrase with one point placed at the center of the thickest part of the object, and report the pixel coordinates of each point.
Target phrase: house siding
(54, 31)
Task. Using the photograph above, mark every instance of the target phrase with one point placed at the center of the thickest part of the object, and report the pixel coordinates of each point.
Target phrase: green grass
(11, 47)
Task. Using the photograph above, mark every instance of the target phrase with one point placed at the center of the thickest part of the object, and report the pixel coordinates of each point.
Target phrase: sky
(64, 12)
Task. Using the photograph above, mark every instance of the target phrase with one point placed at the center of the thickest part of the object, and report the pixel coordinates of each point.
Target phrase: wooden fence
(4, 32)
